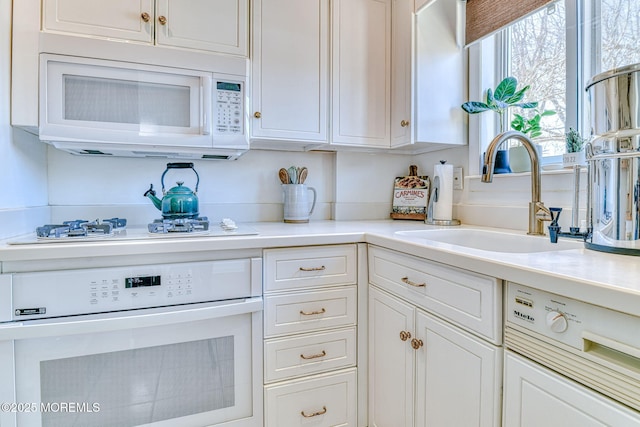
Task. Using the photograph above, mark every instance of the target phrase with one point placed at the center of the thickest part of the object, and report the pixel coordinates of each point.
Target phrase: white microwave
(108, 108)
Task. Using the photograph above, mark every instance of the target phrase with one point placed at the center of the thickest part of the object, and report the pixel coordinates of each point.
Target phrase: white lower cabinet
(310, 330)
(322, 400)
(426, 372)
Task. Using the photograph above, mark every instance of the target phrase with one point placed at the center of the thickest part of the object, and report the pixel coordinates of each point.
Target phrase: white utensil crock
(296, 202)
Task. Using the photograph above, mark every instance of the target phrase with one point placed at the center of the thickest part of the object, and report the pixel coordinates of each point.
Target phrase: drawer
(301, 355)
(320, 401)
(304, 267)
(298, 312)
(472, 301)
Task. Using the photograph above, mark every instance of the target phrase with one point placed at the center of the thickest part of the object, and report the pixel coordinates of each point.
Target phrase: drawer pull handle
(314, 414)
(404, 335)
(409, 282)
(416, 344)
(313, 313)
(314, 356)
(312, 268)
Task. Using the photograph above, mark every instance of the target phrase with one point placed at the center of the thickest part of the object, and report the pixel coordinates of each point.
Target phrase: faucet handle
(542, 213)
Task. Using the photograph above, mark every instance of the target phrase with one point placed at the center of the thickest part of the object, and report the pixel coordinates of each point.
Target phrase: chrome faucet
(538, 213)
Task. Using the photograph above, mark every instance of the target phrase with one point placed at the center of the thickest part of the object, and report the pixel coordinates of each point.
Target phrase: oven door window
(197, 372)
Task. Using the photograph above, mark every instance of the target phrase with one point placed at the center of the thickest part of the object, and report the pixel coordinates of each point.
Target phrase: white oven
(150, 345)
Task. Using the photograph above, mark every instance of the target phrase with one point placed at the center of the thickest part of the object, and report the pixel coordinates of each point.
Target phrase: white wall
(23, 166)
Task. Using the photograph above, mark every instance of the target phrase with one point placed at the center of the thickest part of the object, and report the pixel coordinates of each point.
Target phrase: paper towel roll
(443, 208)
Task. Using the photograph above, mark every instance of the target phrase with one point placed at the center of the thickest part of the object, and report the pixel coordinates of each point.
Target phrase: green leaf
(535, 134)
(506, 88)
(548, 113)
(474, 107)
(517, 97)
(526, 105)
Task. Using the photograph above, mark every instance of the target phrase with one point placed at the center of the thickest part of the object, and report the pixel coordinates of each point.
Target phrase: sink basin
(492, 241)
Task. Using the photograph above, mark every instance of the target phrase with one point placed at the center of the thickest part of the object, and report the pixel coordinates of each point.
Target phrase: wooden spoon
(284, 176)
(303, 175)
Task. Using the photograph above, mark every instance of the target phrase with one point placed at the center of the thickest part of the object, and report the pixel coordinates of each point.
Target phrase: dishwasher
(569, 363)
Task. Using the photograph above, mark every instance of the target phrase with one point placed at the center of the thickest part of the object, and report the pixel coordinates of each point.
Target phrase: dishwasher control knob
(556, 321)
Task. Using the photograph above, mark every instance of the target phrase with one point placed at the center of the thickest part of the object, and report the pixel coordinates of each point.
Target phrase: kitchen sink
(490, 240)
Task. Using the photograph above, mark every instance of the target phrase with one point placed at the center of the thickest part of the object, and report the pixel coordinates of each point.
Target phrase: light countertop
(608, 280)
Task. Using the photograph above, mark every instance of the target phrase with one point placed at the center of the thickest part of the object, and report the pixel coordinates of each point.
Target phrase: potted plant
(519, 159)
(506, 95)
(575, 153)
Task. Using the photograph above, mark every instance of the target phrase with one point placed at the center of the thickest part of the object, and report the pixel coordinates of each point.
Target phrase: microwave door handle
(132, 319)
(207, 106)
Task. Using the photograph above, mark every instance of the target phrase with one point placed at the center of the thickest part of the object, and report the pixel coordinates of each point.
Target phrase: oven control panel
(72, 292)
(572, 322)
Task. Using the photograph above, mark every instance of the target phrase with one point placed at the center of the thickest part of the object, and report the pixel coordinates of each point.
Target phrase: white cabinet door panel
(535, 396)
(217, 26)
(290, 70)
(391, 361)
(361, 71)
(458, 377)
(120, 19)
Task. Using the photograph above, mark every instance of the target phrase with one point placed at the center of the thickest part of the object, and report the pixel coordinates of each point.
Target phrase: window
(536, 56)
(556, 51)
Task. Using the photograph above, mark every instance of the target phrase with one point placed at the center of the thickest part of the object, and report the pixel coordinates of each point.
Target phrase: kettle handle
(180, 166)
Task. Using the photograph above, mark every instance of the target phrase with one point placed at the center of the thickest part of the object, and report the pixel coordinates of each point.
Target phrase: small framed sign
(410, 196)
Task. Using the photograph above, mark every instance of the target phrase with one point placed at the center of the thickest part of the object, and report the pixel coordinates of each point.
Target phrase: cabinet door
(391, 361)
(217, 26)
(119, 19)
(441, 74)
(361, 70)
(458, 377)
(536, 396)
(290, 70)
(401, 84)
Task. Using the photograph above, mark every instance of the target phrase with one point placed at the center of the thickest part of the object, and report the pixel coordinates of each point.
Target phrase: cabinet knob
(257, 114)
(162, 20)
(404, 123)
(145, 16)
(404, 335)
(416, 344)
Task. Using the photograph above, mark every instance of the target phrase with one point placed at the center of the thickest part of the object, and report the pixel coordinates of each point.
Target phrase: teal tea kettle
(179, 202)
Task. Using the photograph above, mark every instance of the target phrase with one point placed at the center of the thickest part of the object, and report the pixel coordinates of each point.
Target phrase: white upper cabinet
(401, 62)
(361, 73)
(290, 72)
(119, 19)
(440, 83)
(217, 26)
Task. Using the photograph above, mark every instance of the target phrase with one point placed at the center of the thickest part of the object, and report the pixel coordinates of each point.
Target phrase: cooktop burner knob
(556, 321)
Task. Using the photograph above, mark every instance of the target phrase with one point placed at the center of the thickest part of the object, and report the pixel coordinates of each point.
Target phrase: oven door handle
(129, 319)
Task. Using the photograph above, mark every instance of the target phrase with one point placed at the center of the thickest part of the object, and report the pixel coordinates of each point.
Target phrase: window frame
(487, 66)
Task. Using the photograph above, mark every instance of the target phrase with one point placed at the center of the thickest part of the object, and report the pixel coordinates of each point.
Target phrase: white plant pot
(570, 160)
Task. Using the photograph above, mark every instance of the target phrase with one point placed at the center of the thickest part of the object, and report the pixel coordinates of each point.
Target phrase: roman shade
(485, 17)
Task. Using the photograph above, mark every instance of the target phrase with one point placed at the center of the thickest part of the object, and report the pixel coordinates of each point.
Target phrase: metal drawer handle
(409, 282)
(313, 268)
(314, 414)
(313, 356)
(416, 344)
(145, 16)
(312, 313)
(404, 335)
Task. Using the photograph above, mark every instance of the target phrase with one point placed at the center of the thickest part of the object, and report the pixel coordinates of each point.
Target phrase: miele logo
(523, 316)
